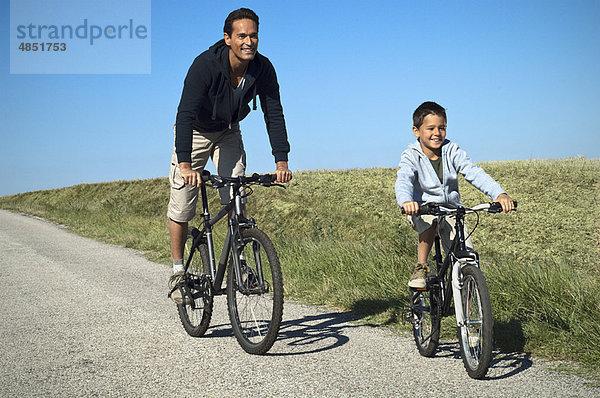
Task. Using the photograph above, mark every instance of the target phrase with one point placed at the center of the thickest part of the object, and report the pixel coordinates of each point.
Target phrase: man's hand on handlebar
(282, 172)
(190, 176)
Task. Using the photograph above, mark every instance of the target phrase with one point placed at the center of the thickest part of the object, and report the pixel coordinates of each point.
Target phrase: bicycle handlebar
(436, 209)
(218, 181)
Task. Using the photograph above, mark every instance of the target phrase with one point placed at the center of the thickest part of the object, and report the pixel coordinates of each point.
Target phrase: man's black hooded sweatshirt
(207, 100)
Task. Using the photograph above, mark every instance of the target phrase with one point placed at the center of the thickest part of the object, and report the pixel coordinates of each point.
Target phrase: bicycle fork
(457, 266)
(237, 251)
(457, 285)
(249, 278)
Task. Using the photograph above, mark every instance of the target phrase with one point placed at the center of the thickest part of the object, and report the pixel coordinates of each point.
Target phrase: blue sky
(519, 80)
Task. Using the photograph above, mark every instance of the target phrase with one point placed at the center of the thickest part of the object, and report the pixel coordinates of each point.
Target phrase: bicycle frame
(236, 221)
(457, 255)
(459, 279)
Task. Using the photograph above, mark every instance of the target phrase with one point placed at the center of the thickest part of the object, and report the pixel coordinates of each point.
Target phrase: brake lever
(268, 180)
(272, 184)
(216, 181)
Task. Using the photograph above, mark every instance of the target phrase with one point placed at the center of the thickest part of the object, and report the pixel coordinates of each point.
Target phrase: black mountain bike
(254, 285)
(458, 277)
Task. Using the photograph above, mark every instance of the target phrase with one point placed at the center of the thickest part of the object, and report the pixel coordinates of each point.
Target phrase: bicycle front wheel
(255, 296)
(426, 321)
(476, 335)
(195, 316)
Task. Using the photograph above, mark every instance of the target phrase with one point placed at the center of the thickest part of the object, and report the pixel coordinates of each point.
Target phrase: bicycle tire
(426, 321)
(255, 312)
(476, 336)
(196, 318)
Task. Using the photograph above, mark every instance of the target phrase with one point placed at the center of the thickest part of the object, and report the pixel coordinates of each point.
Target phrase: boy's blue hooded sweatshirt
(417, 180)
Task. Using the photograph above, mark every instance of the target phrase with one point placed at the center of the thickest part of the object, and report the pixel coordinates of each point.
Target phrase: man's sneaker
(178, 292)
(417, 280)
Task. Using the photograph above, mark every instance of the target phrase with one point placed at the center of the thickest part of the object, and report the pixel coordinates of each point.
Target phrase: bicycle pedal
(407, 316)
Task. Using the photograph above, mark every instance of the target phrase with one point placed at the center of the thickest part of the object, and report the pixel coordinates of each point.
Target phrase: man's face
(243, 40)
(431, 134)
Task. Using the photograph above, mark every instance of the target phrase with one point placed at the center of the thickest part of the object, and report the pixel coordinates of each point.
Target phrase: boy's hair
(427, 108)
(242, 13)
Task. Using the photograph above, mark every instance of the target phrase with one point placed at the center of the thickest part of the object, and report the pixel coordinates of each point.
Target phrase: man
(217, 90)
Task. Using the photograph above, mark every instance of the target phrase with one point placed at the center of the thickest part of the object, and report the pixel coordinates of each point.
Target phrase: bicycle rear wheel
(426, 321)
(476, 335)
(255, 298)
(195, 317)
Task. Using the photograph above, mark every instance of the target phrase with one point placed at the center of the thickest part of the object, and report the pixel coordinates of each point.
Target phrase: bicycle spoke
(475, 335)
(195, 317)
(255, 310)
(426, 323)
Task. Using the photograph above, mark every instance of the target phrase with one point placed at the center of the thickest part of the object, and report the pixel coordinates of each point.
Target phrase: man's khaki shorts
(445, 228)
(226, 149)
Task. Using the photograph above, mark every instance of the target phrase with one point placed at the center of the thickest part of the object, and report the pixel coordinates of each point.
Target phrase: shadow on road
(315, 333)
(507, 365)
(509, 339)
(321, 332)
(309, 334)
(503, 365)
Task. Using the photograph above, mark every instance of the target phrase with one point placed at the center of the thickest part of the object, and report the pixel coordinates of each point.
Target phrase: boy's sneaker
(417, 280)
(178, 291)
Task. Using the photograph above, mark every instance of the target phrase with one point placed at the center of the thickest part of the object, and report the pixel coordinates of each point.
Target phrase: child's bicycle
(254, 284)
(459, 276)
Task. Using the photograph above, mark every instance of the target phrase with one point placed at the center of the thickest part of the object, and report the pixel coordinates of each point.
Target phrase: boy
(428, 172)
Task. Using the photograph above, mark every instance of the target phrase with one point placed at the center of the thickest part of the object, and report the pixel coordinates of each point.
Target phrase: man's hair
(242, 13)
(427, 108)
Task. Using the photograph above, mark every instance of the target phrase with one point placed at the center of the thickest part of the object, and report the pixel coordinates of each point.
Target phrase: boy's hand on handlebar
(410, 208)
(282, 172)
(190, 176)
(506, 202)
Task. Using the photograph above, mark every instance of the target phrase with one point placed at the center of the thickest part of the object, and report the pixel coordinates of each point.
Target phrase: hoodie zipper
(430, 166)
(227, 80)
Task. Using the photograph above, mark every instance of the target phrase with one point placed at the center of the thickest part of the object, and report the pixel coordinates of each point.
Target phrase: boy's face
(431, 135)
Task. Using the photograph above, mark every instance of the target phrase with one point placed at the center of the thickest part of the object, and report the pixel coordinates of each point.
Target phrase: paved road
(82, 318)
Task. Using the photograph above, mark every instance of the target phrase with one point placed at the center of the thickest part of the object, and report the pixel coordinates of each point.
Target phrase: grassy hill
(343, 243)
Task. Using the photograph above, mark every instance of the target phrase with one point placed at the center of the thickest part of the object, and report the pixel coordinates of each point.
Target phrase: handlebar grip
(426, 208)
(205, 175)
(496, 207)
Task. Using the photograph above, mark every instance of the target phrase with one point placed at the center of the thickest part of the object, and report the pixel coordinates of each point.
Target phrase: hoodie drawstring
(214, 112)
